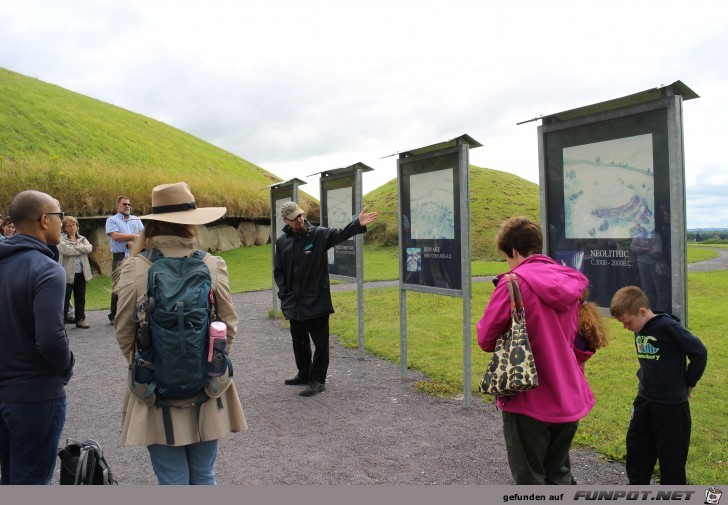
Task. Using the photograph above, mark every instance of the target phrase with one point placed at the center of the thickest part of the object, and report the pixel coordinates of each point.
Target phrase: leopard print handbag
(512, 368)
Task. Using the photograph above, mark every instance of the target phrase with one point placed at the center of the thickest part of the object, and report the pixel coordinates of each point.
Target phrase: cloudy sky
(298, 87)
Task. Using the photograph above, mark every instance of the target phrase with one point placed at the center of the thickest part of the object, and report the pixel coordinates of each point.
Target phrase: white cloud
(300, 87)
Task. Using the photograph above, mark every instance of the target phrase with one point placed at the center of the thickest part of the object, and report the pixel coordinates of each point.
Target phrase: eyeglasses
(300, 216)
(126, 204)
(59, 214)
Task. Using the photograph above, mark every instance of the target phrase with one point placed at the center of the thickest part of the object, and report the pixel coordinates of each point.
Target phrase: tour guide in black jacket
(301, 274)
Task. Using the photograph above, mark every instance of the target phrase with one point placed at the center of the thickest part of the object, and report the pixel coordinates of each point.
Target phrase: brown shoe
(82, 324)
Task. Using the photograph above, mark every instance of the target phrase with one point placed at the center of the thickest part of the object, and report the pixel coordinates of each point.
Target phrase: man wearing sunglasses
(36, 362)
(122, 229)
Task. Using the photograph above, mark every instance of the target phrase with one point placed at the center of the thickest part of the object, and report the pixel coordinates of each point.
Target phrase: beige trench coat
(142, 425)
(68, 253)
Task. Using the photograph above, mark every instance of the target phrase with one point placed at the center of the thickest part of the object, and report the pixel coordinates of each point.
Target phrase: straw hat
(174, 203)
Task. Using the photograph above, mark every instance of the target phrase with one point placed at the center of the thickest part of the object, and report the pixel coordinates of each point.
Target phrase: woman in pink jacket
(539, 425)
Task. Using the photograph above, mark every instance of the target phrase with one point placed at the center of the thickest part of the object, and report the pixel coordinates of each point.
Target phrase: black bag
(84, 464)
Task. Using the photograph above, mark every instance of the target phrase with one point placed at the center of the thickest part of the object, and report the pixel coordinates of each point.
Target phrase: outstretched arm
(366, 218)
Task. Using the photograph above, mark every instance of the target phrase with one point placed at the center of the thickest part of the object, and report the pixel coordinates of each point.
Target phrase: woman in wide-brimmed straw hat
(190, 459)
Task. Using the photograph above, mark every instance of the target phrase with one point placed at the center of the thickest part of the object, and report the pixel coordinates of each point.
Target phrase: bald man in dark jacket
(36, 362)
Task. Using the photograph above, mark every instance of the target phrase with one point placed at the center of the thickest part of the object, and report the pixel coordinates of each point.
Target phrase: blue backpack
(171, 362)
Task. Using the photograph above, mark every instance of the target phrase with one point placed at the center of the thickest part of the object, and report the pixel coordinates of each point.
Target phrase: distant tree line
(713, 236)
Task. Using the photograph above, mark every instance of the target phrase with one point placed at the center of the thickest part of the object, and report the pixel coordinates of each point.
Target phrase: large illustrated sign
(619, 206)
(432, 205)
(608, 201)
(434, 233)
(429, 200)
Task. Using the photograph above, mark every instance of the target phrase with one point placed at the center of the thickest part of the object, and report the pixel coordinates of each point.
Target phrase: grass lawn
(435, 347)
(250, 270)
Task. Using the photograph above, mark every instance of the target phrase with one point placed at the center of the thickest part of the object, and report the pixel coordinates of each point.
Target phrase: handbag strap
(509, 284)
(515, 291)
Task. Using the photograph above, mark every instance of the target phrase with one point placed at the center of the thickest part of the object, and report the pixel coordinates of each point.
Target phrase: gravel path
(719, 263)
(368, 427)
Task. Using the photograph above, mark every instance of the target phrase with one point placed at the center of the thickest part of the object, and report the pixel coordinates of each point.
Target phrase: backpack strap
(214, 314)
(152, 254)
(86, 461)
(199, 254)
(94, 455)
(167, 418)
(168, 428)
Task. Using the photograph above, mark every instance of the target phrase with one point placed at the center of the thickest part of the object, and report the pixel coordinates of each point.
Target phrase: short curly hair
(521, 234)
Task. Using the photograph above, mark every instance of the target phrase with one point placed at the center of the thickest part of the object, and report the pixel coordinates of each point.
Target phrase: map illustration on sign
(338, 207)
(432, 205)
(609, 190)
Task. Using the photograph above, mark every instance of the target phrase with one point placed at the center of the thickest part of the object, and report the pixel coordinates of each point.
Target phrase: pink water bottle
(218, 343)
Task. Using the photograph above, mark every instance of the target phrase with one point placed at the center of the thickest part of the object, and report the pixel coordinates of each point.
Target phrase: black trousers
(538, 452)
(658, 432)
(78, 288)
(117, 258)
(318, 331)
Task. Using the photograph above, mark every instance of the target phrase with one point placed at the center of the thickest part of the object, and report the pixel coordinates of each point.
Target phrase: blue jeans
(29, 436)
(184, 464)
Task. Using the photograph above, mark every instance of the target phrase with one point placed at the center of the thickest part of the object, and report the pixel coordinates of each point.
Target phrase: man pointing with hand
(301, 274)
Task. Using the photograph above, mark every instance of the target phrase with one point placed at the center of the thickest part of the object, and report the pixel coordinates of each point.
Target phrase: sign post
(341, 201)
(434, 233)
(280, 192)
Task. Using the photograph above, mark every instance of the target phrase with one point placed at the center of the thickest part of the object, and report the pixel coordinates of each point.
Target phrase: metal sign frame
(353, 174)
(610, 261)
(427, 158)
(430, 239)
(279, 192)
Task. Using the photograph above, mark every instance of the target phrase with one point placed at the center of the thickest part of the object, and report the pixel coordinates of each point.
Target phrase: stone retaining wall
(218, 238)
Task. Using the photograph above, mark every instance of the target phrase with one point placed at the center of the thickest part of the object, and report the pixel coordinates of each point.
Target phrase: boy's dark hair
(521, 234)
(628, 300)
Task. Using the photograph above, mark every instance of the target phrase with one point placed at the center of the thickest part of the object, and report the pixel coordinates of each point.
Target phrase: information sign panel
(429, 198)
(337, 210)
(608, 201)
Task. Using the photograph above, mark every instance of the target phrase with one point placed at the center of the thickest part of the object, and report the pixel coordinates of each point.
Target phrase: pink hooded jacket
(551, 300)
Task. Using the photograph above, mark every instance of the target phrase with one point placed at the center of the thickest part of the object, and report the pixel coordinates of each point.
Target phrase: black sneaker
(314, 388)
(296, 381)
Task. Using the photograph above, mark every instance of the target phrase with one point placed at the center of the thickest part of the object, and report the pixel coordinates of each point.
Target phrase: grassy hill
(85, 153)
(494, 197)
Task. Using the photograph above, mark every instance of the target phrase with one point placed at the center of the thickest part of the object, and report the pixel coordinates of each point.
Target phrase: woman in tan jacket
(191, 457)
(73, 251)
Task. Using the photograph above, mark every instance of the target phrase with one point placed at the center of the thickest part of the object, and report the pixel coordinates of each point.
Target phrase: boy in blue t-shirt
(660, 425)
